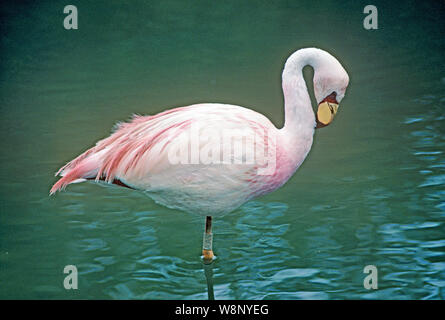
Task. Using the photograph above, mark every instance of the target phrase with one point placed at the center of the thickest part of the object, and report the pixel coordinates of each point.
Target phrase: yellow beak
(326, 113)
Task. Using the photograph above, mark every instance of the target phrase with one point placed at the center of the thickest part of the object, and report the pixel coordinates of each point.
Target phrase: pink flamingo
(143, 154)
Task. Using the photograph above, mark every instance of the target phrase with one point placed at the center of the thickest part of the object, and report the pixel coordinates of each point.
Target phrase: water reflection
(128, 261)
(208, 271)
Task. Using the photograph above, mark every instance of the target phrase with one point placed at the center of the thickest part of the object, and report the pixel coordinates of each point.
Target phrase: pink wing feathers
(127, 143)
(137, 148)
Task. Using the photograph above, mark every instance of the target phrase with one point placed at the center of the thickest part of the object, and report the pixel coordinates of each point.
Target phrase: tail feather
(82, 170)
(100, 162)
(73, 163)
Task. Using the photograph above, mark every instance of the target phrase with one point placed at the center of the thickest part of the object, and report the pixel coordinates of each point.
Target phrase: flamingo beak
(326, 113)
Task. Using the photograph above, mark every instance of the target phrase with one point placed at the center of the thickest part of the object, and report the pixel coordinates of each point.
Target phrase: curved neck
(299, 116)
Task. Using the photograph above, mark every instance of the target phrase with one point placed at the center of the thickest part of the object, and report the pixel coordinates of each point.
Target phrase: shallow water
(371, 191)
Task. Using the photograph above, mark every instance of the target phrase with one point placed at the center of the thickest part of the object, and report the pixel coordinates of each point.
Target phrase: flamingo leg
(207, 250)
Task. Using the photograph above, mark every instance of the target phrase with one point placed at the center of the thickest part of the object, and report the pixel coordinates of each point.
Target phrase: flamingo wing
(138, 155)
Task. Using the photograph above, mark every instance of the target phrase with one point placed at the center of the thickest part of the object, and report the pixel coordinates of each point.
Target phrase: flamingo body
(138, 154)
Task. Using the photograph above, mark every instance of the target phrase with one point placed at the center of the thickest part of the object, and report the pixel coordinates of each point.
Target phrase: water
(370, 192)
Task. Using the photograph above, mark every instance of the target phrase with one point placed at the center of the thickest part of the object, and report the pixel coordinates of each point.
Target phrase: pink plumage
(138, 154)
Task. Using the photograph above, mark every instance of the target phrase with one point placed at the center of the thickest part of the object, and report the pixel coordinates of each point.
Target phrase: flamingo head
(330, 85)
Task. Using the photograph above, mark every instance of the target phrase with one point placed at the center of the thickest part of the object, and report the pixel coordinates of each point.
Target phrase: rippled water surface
(371, 191)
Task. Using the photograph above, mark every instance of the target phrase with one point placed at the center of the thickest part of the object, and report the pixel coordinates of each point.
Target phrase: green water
(371, 191)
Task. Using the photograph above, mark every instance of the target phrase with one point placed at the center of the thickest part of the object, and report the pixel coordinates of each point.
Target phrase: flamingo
(181, 159)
